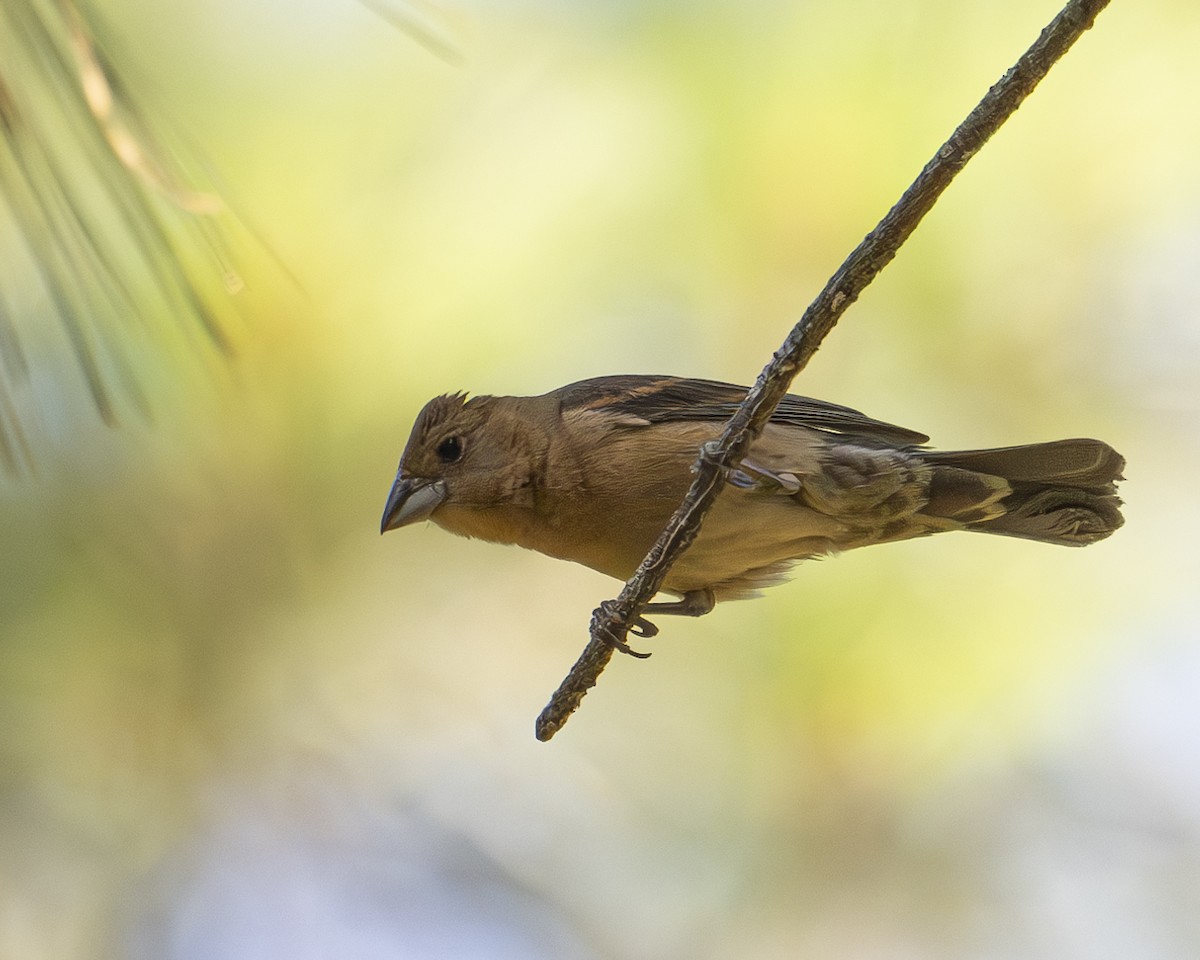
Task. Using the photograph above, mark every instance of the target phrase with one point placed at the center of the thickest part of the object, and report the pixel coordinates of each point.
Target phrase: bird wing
(660, 399)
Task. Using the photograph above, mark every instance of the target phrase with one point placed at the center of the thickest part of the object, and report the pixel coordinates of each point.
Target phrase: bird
(592, 471)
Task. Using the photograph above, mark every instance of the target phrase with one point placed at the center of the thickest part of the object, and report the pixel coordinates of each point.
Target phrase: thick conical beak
(411, 500)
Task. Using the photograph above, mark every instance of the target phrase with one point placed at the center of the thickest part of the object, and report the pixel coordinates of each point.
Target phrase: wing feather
(660, 399)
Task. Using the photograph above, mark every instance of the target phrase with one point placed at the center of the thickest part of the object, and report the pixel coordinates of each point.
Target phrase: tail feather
(1076, 463)
(1062, 492)
(1063, 515)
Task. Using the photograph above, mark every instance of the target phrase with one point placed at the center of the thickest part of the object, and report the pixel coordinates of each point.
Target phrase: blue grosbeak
(591, 472)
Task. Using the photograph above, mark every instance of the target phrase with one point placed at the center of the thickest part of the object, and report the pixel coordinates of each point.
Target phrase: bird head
(463, 459)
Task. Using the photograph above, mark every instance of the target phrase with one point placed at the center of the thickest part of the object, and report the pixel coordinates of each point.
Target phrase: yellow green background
(234, 722)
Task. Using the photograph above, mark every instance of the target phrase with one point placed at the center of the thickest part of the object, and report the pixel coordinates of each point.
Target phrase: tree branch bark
(610, 622)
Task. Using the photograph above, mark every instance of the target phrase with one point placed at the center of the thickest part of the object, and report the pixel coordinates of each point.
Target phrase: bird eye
(449, 449)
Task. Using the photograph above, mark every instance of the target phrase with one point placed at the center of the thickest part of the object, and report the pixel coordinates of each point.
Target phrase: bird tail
(1061, 492)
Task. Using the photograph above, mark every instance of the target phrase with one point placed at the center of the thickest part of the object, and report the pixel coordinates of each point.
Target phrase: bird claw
(643, 628)
(640, 627)
(623, 647)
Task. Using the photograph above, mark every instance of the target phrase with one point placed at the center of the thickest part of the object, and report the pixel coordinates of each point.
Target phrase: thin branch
(611, 621)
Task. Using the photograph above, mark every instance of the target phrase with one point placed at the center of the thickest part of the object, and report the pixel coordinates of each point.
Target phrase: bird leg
(695, 603)
(750, 476)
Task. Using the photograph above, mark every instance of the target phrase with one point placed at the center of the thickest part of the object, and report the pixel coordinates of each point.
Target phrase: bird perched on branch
(591, 472)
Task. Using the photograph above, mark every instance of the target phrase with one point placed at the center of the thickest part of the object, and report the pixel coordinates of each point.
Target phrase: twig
(717, 457)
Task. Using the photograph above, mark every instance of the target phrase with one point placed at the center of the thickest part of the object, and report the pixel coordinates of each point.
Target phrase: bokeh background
(235, 723)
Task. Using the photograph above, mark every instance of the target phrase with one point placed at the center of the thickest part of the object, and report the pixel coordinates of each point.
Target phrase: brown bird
(592, 471)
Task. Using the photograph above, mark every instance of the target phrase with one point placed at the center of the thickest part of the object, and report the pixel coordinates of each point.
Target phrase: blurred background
(235, 723)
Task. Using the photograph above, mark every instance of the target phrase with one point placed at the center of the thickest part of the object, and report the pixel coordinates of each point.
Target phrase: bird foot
(695, 603)
(640, 627)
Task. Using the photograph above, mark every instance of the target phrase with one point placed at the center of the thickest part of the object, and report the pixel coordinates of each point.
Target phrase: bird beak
(411, 500)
